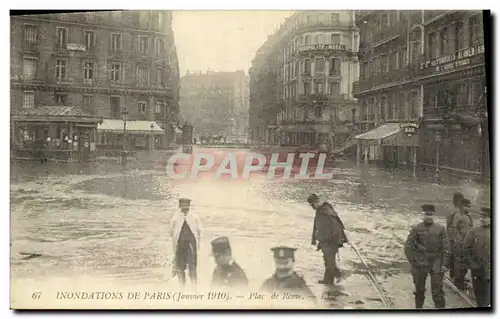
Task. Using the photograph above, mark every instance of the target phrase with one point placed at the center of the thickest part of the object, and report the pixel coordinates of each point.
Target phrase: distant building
(301, 81)
(95, 63)
(424, 69)
(216, 103)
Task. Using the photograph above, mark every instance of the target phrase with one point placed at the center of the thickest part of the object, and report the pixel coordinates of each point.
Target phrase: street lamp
(151, 144)
(438, 141)
(124, 154)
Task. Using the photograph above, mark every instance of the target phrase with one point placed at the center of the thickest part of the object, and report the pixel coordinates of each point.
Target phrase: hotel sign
(454, 60)
(324, 47)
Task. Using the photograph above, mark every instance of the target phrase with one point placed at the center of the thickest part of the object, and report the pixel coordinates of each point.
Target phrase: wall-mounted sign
(454, 60)
(409, 128)
(76, 47)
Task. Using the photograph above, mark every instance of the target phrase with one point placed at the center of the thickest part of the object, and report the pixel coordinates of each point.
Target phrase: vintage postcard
(250, 160)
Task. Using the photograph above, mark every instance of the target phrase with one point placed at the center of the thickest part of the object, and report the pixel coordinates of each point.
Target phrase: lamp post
(438, 142)
(151, 144)
(124, 153)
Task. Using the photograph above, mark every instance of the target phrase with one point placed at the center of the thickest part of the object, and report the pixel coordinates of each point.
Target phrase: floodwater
(103, 227)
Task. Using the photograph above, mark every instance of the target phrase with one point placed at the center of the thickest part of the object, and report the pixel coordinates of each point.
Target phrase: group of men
(430, 248)
(433, 249)
(185, 231)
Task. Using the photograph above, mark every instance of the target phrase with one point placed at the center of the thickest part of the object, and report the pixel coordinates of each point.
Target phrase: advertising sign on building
(452, 61)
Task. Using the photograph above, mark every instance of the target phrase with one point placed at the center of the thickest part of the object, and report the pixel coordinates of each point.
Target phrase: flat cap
(428, 209)
(283, 252)
(312, 198)
(220, 245)
(184, 201)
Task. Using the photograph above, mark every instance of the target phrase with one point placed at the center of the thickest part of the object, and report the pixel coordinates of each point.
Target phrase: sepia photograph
(310, 159)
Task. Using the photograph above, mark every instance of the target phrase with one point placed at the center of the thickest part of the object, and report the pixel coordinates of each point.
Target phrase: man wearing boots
(427, 250)
(185, 233)
(462, 223)
(457, 197)
(328, 231)
(477, 254)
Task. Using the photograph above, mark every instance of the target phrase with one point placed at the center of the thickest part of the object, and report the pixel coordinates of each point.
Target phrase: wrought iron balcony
(318, 48)
(398, 75)
(399, 29)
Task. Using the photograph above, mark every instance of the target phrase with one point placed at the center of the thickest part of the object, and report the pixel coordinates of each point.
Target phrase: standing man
(227, 272)
(185, 231)
(285, 279)
(462, 223)
(427, 251)
(328, 231)
(457, 197)
(477, 254)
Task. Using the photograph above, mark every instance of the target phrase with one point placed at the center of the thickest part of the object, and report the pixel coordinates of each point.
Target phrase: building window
(88, 100)
(28, 100)
(143, 45)
(88, 72)
(320, 88)
(116, 42)
(402, 58)
(307, 67)
(319, 67)
(159, 107)
(334, 17)
(393, 61)
(60, 98)
(307, 88)
(335, 38)
(114, 102)
(433, 46)
(30, 34)
(62, 37)
(115, 72)
(334, 66)
(160, 21)
(29, 68)
(160, 77)
(333, 88)
(318, 111)
(307, 40)
(384, 65)
(61, 69)
(355, 44)
(414, 105)
(142, 76)
(141, 106)
(160, 46)
(476, 31)
(89, 39)
(401, 106)
(443, 36)
(297, 67)
(365, 70)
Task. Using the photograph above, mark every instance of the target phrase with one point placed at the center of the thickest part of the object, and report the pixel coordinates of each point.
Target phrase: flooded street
(102, 226)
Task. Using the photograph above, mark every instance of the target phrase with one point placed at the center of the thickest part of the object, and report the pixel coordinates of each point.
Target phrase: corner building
(422, 90)
(101, 63)
(301, 81)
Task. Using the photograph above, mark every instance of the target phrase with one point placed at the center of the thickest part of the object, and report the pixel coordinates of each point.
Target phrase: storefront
(392, 144)
(54, 133)
(136, 135)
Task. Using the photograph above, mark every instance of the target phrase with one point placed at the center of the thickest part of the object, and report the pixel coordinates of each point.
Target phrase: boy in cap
(427, 251)
(227, 272)
(285, 279)
(477, 255)
(328, 231)
(462, 223)
(457, 197)
(185, 232)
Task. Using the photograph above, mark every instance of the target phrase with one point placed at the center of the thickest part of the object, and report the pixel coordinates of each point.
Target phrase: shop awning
(133, 127)
(380, 132)
(55, 113)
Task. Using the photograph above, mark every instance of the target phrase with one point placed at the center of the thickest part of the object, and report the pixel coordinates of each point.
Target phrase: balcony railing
(398, 75)
(400, 28)
(315, 48)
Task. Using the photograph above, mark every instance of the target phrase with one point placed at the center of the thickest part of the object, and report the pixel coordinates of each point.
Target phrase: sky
(222, 40)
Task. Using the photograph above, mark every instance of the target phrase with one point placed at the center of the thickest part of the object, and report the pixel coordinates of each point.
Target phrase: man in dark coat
(285, 279)
(457, 198)
(427, 250)
(477, 252)
(328, 231)
(227, 273)
(461, 224)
